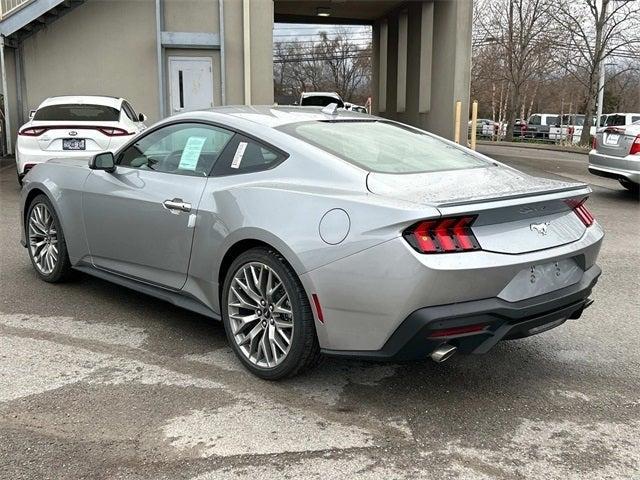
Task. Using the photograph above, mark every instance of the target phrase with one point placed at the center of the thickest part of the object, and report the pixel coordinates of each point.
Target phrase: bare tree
(523, 31)
(329, 63)
(623, 88)
(596, 30)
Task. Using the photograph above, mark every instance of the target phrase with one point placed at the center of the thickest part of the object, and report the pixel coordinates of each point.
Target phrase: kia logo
(73, 133)
(540, 228)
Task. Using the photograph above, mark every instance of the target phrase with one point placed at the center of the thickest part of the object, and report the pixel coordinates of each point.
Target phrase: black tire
(19, 177)
(632, 187)
(304, 352)
(62, 270)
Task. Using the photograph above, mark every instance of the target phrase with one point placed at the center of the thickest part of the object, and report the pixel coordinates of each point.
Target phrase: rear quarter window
(76, 112)
(246, 155)
(384, 147)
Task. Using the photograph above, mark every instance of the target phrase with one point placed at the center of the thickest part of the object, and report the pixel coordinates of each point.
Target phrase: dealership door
(190, 83)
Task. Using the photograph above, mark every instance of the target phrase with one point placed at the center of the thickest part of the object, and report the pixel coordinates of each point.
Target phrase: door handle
(176, 205)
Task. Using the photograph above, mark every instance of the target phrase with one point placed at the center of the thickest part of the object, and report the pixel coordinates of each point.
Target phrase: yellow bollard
(474, 122)
(456, 134)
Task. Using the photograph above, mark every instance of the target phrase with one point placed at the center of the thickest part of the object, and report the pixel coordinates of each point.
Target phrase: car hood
(456, 187)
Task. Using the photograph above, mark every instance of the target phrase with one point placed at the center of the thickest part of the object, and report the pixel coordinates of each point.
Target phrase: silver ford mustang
(311, 232)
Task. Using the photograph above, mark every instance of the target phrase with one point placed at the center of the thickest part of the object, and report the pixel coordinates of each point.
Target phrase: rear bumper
(501, 320)
(615, 167)
(29, 155)
(27, 160)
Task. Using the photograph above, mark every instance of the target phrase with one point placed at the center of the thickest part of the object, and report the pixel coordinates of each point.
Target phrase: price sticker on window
(191, 153)
(237, 158)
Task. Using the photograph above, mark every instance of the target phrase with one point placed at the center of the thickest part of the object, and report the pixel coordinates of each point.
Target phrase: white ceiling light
(323, 11)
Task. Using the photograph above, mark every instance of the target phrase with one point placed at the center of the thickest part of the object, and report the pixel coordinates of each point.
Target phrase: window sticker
(191, 153)
(237, 158)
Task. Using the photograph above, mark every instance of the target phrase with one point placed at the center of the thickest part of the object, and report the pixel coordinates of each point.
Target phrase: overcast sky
(286, 32)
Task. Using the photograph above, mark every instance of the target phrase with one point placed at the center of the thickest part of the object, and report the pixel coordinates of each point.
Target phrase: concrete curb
(534, 146)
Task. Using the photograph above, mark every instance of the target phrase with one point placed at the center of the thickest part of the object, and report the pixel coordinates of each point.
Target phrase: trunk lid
(94, 139)
(617, 141)
(516, 213)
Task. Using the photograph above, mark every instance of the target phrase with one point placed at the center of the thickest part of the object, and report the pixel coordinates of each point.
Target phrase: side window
(535, 120)
(245, 155)
(183, 149)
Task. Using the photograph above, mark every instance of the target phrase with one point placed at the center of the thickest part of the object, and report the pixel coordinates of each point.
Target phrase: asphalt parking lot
(99, 382)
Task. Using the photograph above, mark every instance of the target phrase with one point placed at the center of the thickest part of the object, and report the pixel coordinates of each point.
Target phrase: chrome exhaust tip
(443, 353)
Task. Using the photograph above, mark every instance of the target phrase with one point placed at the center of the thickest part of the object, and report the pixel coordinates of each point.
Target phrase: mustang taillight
(113, 132)
(443, 235)
(581, 210)
(635, 146)
(32, 131)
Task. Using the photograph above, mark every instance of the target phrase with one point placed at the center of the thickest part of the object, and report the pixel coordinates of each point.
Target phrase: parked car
(74, 126)
(569, 127)
(619, 119)
(320, 99)
(354, 108)
(308, 232)
(539, 125)
(519, 128)
(601, 123)
(483, 125)
(616, 154)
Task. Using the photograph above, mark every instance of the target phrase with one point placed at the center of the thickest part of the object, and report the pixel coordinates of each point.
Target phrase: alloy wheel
(260, 315)
(43, 239)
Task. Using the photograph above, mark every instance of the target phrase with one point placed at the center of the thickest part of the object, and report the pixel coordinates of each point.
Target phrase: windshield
(77, 112)
(385, 147)
(577, 120)
(615, 120)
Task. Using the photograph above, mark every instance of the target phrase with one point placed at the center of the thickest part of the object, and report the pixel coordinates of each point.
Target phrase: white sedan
(75, 127)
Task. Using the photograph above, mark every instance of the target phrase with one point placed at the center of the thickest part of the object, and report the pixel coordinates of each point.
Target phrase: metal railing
(7, 7)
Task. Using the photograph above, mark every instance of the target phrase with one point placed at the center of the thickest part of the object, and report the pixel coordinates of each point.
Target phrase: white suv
(75, 127)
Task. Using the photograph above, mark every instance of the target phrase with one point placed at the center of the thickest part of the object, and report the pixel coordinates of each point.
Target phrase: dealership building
(168, 56)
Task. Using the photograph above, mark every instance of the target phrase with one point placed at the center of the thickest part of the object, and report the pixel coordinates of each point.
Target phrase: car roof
(114, 102)
(276, 116)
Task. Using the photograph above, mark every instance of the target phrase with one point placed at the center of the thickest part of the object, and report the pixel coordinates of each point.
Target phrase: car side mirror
(103, 161)
(32, 113)
(142, 117)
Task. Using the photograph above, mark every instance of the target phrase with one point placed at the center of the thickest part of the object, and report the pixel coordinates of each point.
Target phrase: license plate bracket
(538, 279)
(612, 139)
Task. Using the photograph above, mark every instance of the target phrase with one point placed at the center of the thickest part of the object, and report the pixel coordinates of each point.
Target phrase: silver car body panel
(154, 243)
(611, 158)
(367, 277)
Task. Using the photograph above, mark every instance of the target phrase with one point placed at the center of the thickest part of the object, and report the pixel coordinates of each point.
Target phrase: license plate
(73, 144)
(612, 139)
